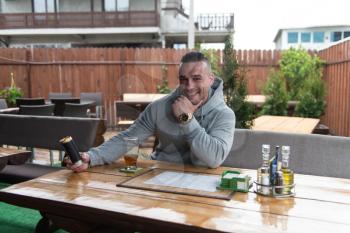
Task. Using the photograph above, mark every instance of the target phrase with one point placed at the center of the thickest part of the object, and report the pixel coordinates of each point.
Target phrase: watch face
(183, 117)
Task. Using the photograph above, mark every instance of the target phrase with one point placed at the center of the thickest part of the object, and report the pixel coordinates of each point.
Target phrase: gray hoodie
(205, 141)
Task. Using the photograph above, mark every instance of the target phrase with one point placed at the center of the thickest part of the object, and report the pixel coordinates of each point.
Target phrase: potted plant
(11, 93)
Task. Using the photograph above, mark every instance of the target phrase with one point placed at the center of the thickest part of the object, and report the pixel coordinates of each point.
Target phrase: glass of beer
(130, 157)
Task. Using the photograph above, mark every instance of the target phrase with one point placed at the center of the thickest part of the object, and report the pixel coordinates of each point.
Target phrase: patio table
(97, 201)
(285, 124)
(9, 110)
(13, 156)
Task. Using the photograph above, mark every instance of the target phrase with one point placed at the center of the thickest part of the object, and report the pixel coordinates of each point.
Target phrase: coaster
(131, 170)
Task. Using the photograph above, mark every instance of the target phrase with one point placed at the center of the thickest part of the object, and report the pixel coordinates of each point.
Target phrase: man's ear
(211, 78)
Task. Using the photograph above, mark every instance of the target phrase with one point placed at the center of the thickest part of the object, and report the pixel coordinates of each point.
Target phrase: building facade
(311, 38)
(104, 23)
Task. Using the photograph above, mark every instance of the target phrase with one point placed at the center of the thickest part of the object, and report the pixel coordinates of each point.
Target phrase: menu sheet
(194, 181)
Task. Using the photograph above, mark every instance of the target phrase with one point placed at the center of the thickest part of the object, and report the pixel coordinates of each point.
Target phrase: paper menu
(201, 182)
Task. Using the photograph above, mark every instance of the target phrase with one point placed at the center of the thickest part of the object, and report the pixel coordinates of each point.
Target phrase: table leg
(45, 225)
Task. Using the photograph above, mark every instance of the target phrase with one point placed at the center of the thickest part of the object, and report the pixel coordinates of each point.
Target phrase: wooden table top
(285, 124)
(9, 110)
(321, 204)
(13, 156)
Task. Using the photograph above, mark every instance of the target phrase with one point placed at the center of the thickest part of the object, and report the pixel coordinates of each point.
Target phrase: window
(335, 36)
(292, 37)
(110, 5)
(42, 6)
(318, 37)
(116, 5)
(305, 37)
(123, 5)
(346, 34)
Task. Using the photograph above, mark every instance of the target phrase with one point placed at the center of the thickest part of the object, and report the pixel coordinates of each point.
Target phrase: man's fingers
(85, 157)
(198, 105)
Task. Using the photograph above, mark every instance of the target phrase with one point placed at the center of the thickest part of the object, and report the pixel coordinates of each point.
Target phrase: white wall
(282, 42)
(172, 21)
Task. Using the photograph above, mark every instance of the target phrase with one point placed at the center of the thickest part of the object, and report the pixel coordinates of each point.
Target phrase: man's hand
(85, 158)
(183, 105)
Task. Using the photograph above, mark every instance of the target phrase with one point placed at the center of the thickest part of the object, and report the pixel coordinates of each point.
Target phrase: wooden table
(259, 100)
(285, 124)
(9, 110)
(91, 202)
(13, 156)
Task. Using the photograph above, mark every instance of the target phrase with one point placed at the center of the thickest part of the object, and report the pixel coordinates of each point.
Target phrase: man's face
(195, 81)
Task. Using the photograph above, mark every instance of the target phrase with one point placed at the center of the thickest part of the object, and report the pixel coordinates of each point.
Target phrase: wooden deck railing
(79, 19)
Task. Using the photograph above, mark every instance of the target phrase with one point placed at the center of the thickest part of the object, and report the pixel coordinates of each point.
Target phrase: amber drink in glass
(130, 157)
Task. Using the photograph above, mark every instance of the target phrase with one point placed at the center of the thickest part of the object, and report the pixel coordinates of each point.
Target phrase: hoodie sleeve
(115, 147)
(210, 148)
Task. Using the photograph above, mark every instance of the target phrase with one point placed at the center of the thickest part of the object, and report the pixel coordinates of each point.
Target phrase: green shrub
(276, 95)
(164, 87)
(311, 98)
(299, 79)
(297, 65)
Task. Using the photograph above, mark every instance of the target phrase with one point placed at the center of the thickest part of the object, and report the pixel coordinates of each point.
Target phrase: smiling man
(193, 124)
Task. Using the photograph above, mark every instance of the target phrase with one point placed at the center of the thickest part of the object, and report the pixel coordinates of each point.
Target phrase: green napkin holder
(234, 180)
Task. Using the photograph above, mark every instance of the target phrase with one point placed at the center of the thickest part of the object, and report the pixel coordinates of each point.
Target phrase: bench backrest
(45, 131)
(311, 154)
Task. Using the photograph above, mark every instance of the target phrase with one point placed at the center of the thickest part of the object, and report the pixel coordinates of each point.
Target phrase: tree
(276, 95)
(311, 98)
(297, 65)
(300, 76)
(235, 87)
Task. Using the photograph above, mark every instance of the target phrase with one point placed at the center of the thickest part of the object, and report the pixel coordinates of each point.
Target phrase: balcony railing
(79, 19)
(213, 22)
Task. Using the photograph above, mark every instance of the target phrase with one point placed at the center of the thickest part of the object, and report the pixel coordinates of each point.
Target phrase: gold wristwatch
(184, 118)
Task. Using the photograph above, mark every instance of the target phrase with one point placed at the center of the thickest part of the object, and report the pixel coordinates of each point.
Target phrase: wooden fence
(115, 71)
(337, 77)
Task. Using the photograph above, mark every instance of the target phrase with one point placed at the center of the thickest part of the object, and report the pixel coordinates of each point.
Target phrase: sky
(257, 21)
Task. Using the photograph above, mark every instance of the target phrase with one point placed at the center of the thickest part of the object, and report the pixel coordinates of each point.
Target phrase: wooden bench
(45, 132)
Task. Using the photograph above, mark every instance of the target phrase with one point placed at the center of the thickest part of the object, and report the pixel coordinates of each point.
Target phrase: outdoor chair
(76, 110)
(126, 115)
(56, 95)
(60, 104)
(97, 98)
(3, 104)
(37, 110)
(30, 101)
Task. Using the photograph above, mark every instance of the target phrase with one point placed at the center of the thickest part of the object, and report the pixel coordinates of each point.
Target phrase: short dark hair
(195, 57)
